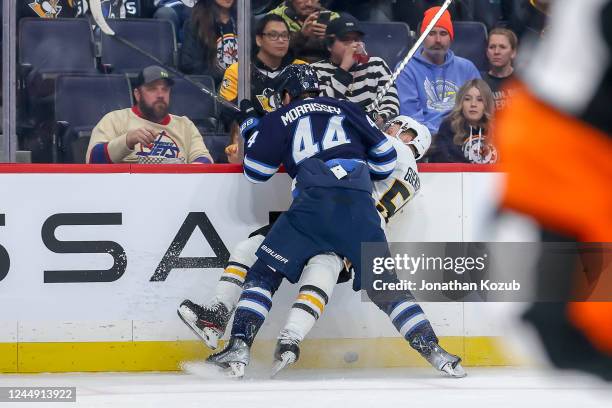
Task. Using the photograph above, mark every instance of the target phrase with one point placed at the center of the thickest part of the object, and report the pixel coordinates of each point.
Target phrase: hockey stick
(375, 104)
(96, 11)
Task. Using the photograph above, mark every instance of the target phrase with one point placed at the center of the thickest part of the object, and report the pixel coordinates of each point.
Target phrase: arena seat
(48, 47)
(471, 42)
(152, 35)
(80, 102)
(187, 100)
(389, 41)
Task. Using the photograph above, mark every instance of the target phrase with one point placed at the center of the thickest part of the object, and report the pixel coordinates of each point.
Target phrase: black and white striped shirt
(359, 85)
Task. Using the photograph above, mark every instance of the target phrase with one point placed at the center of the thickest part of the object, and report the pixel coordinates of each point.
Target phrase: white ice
(385, 388)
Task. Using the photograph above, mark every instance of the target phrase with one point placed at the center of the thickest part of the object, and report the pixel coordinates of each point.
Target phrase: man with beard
(147, 133)
(430, 81)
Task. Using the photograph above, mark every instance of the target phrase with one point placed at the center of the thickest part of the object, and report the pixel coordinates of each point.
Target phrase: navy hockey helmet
(296, 79)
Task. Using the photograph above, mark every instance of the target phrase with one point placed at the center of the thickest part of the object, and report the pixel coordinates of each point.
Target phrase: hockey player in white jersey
(411, 140)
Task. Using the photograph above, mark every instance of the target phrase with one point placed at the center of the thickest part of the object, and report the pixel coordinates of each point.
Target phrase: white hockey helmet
(421, 141)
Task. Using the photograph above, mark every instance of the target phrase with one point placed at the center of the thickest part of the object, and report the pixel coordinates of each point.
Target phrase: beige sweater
(178, 140)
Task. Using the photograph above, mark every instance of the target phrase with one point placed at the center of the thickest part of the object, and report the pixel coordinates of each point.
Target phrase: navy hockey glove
(247, 118)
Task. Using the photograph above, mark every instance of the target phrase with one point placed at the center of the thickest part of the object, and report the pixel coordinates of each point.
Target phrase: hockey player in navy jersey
(406, 315)
(411, 141)
(333, 151)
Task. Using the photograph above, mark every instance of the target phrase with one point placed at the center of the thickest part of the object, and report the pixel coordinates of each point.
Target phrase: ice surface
(385, 388)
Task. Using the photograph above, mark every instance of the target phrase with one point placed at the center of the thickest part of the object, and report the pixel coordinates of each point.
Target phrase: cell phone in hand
(324, 17)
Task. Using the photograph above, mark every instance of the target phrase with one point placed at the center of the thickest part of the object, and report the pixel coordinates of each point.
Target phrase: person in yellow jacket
(272, 38)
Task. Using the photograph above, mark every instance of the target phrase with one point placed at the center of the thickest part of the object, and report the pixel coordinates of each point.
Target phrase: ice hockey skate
(287, 352)
(232, 359)
(439, 358)
(207, 322)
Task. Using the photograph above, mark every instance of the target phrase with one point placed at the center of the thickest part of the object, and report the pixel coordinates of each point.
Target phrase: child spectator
(464, 134)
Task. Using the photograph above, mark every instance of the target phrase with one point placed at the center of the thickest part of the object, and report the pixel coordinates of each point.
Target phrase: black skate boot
(439, 358)
(207, 322)
(233, 358)
(287, 352)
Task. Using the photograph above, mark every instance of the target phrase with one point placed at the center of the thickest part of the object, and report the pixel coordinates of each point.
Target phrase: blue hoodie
(427, 91)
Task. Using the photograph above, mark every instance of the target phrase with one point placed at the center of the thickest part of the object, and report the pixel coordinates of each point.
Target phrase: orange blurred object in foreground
(559, 171)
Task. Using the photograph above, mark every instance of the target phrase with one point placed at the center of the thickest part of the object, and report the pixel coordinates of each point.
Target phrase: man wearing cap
(429, 83)
(351, 74)
(147, 133)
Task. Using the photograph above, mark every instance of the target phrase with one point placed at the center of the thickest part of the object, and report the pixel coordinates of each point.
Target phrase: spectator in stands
(147, 133)
(501, 52)
(351, 74)
(429, 83)
(50, 9)
(465, 133)
(76, 8)
(272, 55)
(175, 11)
(210, 39)
(307, 20)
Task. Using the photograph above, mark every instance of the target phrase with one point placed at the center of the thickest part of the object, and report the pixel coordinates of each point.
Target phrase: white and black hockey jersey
(392, 193)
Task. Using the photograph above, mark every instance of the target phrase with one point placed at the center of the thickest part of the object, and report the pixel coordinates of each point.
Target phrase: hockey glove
(247, 118)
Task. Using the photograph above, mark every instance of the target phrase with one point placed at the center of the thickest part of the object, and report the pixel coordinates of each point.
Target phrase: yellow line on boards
(168, 355)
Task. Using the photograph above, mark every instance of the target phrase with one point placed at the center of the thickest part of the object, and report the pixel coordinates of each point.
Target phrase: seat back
(471, 42)
(488, 12)
(188, 100)
(81, 101)
(57, 45)
(389, 41)
(216, 143)
(151, 35)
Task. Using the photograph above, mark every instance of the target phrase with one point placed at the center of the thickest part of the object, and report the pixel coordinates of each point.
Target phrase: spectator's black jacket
(443, 149)
(193, 55)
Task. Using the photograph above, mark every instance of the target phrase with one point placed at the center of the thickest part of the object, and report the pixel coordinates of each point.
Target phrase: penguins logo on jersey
(47, 8)
(267, 102)
(163, 150)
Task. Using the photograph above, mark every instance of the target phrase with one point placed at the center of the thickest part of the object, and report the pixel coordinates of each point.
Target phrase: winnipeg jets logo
(477, 150)
(163, 150)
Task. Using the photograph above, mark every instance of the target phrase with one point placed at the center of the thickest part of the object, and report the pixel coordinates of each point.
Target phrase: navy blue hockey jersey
(322, 128)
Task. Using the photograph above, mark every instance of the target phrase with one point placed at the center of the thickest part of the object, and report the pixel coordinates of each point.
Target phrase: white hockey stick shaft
(96, 11)
(95, 6)
(382, 92)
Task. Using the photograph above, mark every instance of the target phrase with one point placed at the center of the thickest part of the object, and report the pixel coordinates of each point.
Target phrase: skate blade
(279, 365)
(456, 372)
(235, 370)
(204, 370)
(209, 336)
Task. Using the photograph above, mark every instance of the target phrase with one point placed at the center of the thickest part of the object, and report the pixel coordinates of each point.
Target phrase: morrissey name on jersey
(298, 111)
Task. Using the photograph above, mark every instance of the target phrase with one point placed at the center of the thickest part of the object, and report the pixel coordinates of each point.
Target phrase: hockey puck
(350, 357)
